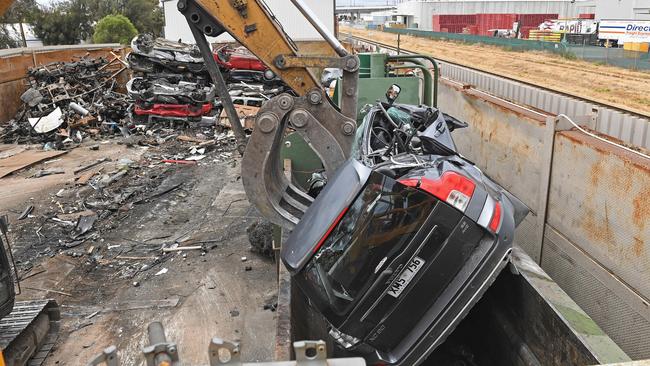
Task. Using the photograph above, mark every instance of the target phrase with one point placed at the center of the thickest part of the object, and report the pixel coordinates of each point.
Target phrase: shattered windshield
(378, 225)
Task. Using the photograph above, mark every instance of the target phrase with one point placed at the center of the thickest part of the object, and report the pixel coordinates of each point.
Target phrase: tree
(73, 21)
(21, 11)
(146, 15)
(114, 28)
(68, 22)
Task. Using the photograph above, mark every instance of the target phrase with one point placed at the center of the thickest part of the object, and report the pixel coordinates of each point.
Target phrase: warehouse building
(419, 14)
(296, 26)
(622, 9)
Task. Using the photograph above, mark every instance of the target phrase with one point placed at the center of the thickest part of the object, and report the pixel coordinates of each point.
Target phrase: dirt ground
(608, 84)
(114, 280)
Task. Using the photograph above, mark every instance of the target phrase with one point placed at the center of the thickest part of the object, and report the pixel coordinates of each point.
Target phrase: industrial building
(296, 26)
(419, 14)
(622, 9)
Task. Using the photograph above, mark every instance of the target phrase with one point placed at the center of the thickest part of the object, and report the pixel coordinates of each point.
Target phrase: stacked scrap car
(162, 98)
(161, 57)
(172, 81)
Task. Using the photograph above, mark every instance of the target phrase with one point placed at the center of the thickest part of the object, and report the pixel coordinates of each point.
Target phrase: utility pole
(398, 42)
(22, 33)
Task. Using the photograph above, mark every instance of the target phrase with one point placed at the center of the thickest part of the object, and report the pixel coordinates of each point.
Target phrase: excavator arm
(326, 128)
(252, 25)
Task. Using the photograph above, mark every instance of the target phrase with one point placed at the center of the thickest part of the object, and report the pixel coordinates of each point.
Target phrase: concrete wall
(623, 9)
(292, 21)
(594, 240)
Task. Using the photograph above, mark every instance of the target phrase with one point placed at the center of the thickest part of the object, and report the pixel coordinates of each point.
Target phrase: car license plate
(407, 275)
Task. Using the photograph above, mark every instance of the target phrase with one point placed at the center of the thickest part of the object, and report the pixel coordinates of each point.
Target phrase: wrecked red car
(172, 110)
(237, 58)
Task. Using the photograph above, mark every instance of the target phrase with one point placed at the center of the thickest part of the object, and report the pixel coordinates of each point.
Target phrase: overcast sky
(338, 2)
(364, 2)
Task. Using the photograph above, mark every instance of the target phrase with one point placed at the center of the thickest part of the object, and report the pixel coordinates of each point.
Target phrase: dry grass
(607, 84)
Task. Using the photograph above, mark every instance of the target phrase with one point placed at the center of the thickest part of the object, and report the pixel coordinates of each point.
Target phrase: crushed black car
(404, 239)
(160, 56)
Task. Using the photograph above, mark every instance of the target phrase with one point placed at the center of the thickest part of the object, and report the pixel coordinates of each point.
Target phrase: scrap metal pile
(69, 101)
(172, 81)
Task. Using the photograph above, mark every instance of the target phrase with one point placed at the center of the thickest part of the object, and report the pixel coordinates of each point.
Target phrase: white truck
(616, 32)
(572, 26)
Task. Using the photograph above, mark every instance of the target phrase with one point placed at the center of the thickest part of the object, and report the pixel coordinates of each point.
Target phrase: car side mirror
(393, 93)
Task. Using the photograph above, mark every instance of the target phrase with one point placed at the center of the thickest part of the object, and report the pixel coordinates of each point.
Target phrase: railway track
(443, 61)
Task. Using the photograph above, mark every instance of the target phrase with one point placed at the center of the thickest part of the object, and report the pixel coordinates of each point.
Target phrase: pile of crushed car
(68, 101)
(160, 83)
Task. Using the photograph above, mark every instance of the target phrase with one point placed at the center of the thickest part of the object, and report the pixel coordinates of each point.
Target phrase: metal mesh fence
(508, 43)
(611, 56)
(607, 56)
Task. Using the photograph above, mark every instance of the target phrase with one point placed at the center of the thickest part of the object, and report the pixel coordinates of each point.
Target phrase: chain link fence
(633, 60)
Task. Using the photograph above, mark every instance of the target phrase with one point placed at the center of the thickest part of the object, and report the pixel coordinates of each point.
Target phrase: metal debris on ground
(108, 192)
(260, 236)
(67, 103)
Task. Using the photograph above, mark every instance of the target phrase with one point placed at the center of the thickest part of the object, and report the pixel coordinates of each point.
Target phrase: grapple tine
(330, 136)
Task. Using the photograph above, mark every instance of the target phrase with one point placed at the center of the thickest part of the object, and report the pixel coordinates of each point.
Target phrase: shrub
(114, 29)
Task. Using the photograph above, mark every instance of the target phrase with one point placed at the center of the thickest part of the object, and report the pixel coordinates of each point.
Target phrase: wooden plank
(7, 151)
(25, 159)
(10, 93)
(245, 112)
(85, 177)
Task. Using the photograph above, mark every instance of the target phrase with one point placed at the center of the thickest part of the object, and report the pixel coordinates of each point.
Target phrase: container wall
(506, 145)
(596, 238)
(489, 22)
(481, 24)
(534, 20)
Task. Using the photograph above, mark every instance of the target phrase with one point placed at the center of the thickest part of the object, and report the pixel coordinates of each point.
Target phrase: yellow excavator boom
(252, 25)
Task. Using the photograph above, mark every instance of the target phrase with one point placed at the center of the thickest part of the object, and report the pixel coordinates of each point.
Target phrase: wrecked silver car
(163, 91)
(158, 55)
(404, 239)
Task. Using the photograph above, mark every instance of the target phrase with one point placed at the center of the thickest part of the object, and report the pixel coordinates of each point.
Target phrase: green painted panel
(304, 160)
(373, 89)
(372, 65)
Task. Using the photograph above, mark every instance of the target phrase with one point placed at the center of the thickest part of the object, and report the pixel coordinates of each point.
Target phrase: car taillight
(329, 230)
(451, 187)
(490, 217)
(496, 218)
